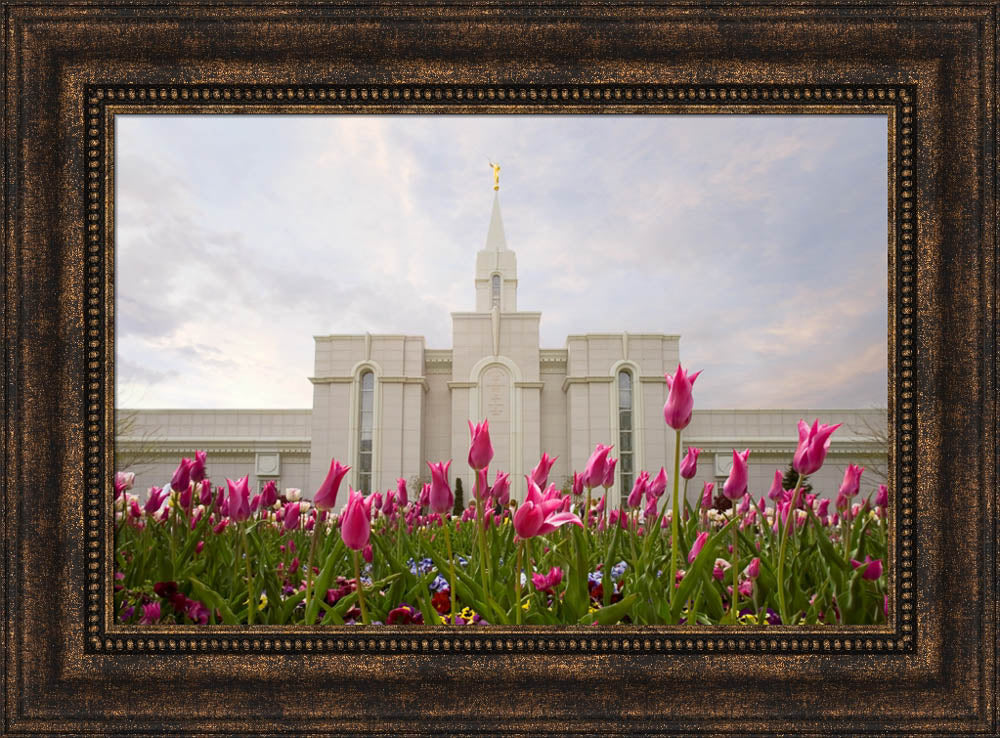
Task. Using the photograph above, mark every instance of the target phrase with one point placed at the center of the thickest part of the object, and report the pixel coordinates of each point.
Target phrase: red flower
(441, 601)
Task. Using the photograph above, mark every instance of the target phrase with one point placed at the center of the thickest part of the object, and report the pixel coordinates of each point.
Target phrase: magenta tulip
(777, 490)
(609, 473)
(238, 503)
(326, 496)
(689, 464)
(123, 481)
(577, 483)
(546, 582)
(205, 492)
(852, 481)
(500, 491)
(291, 521)
(658, 484)
(680, 404)
(355, 523)
(594, 472)
(538, 516)
(638, 490)
(198, 466)
(753, 568)
(824, 506)
(155, 501)
(736, 485)
(441, 499)
(814, 442)
(480, 450)
(182, 476)
(269, 495)
(650, 509)
(401, 497)
(872, 570)
(540, 474)
(368, 554)
(706, 495)
(882, 496)
(699, 543)
(150, 613)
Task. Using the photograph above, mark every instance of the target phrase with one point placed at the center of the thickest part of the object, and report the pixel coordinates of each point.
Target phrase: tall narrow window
(366, 419)
(625, 430)
(496, 290)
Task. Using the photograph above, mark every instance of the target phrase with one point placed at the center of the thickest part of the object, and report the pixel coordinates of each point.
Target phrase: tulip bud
(882, 496)
(540, 474)
(480, 450)
(680, 404)
(814, 442)
(609, 474)
(777, 491)
(699, 543)
(326, 496)
(440, 498)
(689, 464)
(367, 553)
(736, 485)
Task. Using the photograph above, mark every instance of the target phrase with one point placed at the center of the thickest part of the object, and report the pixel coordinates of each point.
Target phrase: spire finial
(496, 175)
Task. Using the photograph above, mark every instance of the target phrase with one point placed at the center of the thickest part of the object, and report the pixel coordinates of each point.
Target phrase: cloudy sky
(761, 240)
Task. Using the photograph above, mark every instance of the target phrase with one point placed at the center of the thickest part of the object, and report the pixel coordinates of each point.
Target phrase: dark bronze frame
(68, 69)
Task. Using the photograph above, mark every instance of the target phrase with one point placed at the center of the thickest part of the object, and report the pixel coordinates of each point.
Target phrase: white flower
(292, 494)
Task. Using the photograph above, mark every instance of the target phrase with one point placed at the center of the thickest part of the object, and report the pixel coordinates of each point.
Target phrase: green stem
(481, 535)
(586, 513)
(309, 568)
(789, 523)
(517, 584)
(357, 582)
(451, 561)
(734, 600)
(674, 523)
(251, 605)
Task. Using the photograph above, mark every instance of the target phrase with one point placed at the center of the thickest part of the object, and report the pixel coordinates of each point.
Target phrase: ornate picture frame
(69, 69)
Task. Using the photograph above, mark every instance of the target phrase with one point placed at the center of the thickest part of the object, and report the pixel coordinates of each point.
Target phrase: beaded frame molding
(103, 103)
(70, 66)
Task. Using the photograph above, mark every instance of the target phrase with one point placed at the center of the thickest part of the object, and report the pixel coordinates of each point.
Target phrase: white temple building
(387, 404)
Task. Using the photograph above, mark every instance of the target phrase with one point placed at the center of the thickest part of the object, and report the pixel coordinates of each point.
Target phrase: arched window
(625, 430)
(366, 413)
(496, 290)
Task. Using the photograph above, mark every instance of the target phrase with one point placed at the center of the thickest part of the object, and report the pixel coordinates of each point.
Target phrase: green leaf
(611, 614)
(826, 545)
(695, 570)
(214, 600)
(322, 582)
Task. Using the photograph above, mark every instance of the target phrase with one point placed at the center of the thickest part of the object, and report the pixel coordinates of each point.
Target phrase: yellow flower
(748, 619)
(263, 601)
(526, 605)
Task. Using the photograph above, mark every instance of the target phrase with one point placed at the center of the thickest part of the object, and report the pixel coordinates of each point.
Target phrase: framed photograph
(267, 269)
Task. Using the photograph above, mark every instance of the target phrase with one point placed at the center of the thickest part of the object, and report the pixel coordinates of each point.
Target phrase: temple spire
(495, 238)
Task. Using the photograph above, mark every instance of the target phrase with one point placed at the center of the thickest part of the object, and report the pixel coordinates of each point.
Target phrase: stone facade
(385, 404)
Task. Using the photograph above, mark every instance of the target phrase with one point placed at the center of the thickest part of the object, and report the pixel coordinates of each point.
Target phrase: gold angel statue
(496, 175)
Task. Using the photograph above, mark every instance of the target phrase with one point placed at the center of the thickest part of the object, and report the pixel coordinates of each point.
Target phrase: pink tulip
(577, 483)
(720, 568)
(424, 499)
(326, 496)
(480, 450)
(882, 496)
(852, 481)
(355, 524)
(238, 503)
(500, 491)
(824, 506)
(609, 473)
(706, 495)
(199, 547)
(547, 582)
(401, 496)
(658, 485)
(689, 464)
(367, 554)
(680, 404)
(638, 490)
(269, 495)
(198, 466)
(650, 510)
(376, 500)
(736, 485)
(205, 492)
(595, 471)
(777, 490)
(753, 568)
(538, 516)
(182, 476)
(814, 442)
(873, 568)
(150, 613)
(184, 498)
(123, 481)
(291, 520)
(156, 498)
(699, 543)
(744, 506)
(540, 474)
(254, 503)
(220, 526)
(441, 499)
